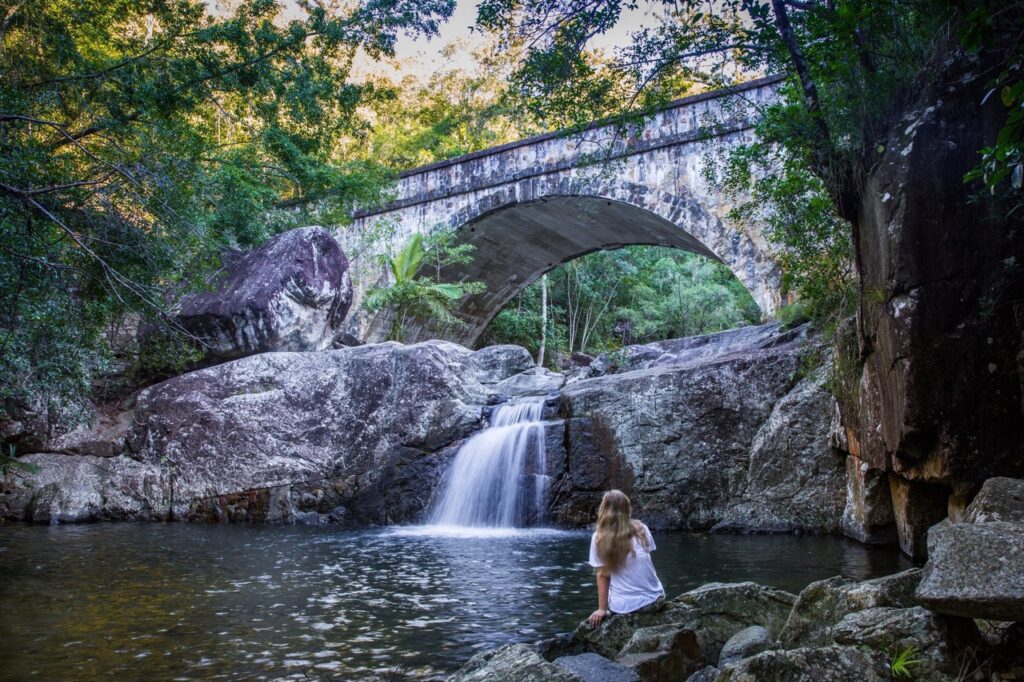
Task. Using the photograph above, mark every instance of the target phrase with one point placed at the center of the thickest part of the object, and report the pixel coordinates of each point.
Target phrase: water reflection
(230, 602)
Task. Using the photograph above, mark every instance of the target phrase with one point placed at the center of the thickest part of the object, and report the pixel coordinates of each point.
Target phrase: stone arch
(523, 229)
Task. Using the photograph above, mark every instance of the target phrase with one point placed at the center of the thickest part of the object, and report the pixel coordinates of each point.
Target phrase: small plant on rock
(903, 662)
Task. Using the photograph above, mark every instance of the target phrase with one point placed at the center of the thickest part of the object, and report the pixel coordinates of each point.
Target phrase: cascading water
(497, 479)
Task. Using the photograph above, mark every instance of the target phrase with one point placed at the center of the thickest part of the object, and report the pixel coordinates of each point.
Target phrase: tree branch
(810, 89)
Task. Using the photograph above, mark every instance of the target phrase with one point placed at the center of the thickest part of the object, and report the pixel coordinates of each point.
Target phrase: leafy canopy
(138, 139)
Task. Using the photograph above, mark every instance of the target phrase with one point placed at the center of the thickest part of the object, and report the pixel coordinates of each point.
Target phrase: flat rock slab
(594, 668)
(975, 570)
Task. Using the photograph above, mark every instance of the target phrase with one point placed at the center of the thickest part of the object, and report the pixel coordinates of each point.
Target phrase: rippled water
(153, 601)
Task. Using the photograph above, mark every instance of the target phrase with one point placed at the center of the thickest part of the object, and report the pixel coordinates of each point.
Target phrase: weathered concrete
(531, 205)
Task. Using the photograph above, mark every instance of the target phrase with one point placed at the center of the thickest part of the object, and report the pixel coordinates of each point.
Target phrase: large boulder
(360, 435)
(744, 644)
(974, 566)
(1000, 499)
(662, 653)
(730, 435)
(824, 603)
(291, 294)
(975, 570)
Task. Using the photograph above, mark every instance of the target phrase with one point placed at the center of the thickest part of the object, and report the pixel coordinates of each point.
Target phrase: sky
(421, 57)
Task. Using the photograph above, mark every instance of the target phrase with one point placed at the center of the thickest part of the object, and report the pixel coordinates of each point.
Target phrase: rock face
(733, 439)
(705, 433)
(360, 435)
(933, 388)
(291, 294)
(975, 567)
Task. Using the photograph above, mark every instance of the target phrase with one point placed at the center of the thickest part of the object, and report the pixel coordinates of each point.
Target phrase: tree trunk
(543, 320)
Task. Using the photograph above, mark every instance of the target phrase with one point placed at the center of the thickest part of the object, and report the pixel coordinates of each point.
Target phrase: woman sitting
(620, 550)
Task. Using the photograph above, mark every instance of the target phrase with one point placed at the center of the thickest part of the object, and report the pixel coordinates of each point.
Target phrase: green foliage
(772, 188)
(793, 314)
(989, 25)
(9, 462)
(904, 661)
(413, 297)
(449, 114)
(637, 294)
(138, 139)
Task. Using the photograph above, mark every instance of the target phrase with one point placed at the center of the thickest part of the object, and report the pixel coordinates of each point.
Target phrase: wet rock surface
(291, 294)
(357, 435)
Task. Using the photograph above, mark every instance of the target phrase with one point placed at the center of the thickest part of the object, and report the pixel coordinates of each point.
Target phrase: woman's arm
(604, 579)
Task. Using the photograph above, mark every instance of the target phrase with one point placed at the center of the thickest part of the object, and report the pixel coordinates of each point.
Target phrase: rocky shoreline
(947, 621)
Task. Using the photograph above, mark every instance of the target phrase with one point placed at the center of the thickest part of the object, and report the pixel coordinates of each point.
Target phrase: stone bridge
(531, 205)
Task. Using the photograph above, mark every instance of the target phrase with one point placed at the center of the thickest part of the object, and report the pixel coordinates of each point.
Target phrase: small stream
(166, 601)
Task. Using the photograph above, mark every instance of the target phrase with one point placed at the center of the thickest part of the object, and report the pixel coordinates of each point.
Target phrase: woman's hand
(596, 617)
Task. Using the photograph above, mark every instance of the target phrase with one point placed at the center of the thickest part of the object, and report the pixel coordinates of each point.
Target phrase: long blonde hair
(616, 530)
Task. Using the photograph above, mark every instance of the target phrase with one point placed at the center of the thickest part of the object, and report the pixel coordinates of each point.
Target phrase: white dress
(635, 584)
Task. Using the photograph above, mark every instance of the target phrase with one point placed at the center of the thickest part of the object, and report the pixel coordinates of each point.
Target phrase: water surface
(166, 601)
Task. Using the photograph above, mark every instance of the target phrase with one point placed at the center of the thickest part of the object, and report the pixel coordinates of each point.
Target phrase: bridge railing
(683, 121)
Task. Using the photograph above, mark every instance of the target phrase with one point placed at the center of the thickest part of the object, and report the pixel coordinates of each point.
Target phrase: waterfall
(497, 479)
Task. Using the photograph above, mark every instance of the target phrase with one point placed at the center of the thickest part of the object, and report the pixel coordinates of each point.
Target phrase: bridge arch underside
(517, 243)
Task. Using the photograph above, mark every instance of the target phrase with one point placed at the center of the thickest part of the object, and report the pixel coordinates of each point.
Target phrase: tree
(410, 295)
(542, 349)
(138, 139)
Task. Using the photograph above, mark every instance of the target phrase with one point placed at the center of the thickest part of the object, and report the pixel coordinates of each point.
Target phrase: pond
(166, 601)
